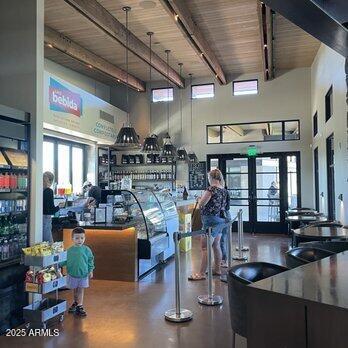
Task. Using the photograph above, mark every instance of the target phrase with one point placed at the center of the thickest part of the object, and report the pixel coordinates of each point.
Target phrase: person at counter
(49, 208)
(93, 193)
(212, 205)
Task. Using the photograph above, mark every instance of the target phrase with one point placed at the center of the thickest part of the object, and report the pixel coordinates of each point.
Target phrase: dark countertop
(303, 218)
(322, 232)
(107, 226)
(324, 281)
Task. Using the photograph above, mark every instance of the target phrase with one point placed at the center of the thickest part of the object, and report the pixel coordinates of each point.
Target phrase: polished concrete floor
(124, 315)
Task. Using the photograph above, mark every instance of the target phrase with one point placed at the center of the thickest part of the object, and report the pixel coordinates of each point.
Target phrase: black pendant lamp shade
(127, 136)
(151, 144)
(192, 157)
(182, 154)
(168, 150)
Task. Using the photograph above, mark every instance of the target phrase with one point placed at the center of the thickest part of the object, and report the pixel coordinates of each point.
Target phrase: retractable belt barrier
(179, 314)
(240, 248)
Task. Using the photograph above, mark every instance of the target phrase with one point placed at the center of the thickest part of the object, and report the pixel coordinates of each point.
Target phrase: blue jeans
(213, 221)
(47, 228)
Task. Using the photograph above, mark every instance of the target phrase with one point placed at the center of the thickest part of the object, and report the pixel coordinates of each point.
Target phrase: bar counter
(304, 307)
(115, 249)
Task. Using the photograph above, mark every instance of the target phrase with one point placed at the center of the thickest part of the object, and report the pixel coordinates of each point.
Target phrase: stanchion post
(177, 314)
(240, 256)
(223, 277)
(244, 248)
(230, 247)
(210, 299)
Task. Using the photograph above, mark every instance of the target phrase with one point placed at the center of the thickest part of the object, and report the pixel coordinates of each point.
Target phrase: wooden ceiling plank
(62, 43)
(181, 15)
(104, 20)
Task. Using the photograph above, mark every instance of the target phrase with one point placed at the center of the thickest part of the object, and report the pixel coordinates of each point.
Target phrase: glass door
(264, 187)
(236, 173)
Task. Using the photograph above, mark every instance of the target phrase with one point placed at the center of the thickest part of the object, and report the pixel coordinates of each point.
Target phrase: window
(203, 91)
(328, 105)
(66, 160)
(245, 87)
(63, 165)
(48, 156)
(315, 124)
(253, 132)
(162, 95)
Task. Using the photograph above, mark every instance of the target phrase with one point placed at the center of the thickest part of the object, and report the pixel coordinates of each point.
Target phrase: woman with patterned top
(212, 205)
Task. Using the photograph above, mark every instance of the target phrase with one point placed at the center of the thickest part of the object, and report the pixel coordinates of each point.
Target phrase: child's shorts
(73, 283)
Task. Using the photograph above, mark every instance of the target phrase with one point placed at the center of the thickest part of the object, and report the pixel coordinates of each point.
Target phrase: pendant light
(182, 154)
(169, 149)
(151, 144)
(191, 155)
(127, 136)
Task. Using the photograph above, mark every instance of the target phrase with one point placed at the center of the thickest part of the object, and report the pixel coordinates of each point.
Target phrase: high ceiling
(230, 27)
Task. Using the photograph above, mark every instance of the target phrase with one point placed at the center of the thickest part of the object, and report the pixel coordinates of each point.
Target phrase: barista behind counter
(93, 192)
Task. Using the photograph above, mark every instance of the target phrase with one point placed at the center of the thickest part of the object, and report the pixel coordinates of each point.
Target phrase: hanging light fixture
(169, 149)
(191, 155)
(127, 136)
(151, 144)
(182, 154)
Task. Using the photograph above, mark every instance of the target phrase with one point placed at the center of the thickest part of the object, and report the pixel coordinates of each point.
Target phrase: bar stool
(238, 277)
(302, 255)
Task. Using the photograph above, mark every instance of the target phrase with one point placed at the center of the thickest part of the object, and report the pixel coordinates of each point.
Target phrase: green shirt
(79, 262)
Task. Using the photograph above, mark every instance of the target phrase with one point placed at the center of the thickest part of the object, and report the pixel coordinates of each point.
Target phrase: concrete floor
(125, 315)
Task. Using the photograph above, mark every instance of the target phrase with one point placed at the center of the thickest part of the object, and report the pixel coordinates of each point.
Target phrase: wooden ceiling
(230, 27)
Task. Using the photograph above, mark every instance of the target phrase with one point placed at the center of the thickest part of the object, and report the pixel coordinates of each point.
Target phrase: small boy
(79, 265)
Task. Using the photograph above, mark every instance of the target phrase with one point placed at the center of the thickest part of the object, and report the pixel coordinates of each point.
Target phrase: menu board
(17, 158)
(3, 162)
(197, 176)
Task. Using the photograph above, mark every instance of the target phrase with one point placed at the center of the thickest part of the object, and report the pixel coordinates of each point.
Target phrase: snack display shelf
(47, 287)
(44, 261)
(38, 313)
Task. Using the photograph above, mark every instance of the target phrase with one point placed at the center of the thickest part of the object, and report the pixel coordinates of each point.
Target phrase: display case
(14, 184)
(14, 213)
(156, 220)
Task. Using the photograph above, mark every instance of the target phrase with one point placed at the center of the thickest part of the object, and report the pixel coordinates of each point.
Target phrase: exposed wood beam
(237, 129)
(315, 21)
(104, 20)
(182, 17)
(62, 43)
(265, 17)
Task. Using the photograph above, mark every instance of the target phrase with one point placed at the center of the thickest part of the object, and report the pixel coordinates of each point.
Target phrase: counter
(303, 307)
(128, 251)
(115, 249)
(179, 202)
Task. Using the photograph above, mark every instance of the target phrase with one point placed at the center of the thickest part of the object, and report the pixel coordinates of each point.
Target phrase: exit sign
(252, 151)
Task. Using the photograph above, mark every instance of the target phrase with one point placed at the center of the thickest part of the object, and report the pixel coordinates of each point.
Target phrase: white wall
(286, 97)
(327, 70)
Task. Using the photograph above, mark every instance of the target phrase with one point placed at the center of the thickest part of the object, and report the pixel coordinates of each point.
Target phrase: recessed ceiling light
(147, 4)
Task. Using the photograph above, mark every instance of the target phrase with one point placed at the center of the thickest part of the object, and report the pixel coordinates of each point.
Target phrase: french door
(264, 187)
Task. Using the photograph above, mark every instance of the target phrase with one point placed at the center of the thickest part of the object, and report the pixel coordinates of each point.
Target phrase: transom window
(203, 91)
(162, 95)
(253, 132)
(66, 160)
(246, 87)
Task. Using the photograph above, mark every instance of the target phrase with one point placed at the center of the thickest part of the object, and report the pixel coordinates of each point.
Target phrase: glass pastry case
(153, 214)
